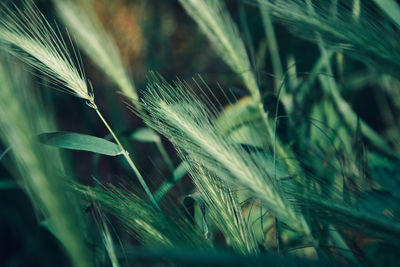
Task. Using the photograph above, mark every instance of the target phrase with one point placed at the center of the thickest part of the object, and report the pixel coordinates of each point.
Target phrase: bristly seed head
(26, 34)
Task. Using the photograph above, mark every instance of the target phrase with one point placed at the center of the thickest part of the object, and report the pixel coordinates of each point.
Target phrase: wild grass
(188, 125)
(45, 50)
(39, 170)
(290, 169)
(147, 223)
(83, 24)
(364, 34)
(213, 18)
(25, 34)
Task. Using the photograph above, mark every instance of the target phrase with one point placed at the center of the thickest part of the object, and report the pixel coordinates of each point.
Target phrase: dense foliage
(200, 132)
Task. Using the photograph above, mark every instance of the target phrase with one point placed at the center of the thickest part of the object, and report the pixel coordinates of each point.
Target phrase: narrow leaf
(76, 141)
(391, 8)
(178, 174)
(8, 185)
(5, 152)
(145, 135)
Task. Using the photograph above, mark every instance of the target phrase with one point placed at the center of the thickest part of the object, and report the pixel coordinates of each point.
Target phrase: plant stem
(127, 157)
(164, 155)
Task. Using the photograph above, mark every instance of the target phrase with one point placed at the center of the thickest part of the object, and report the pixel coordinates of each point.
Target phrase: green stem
(275, 57)
(170, 165)
(342, 105)
(165, 155)
(127, 157)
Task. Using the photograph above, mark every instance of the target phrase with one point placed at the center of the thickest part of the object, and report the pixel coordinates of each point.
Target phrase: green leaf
(49, 225)
(5, 152)
(8, 185)
(145, 135)
(76, 141)
(190, 202)
(241, 123)
(376, 160)
(391, 8)
(178, 173)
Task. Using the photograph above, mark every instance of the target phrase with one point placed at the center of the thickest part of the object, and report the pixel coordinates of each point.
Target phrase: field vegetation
(199, 132)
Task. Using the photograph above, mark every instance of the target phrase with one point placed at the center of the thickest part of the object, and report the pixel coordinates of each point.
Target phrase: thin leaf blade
(83, 142)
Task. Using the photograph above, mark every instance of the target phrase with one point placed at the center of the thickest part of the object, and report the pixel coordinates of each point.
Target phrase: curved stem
(127, 157)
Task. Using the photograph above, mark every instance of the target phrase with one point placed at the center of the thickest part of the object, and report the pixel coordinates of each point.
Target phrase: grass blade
(76, 141)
